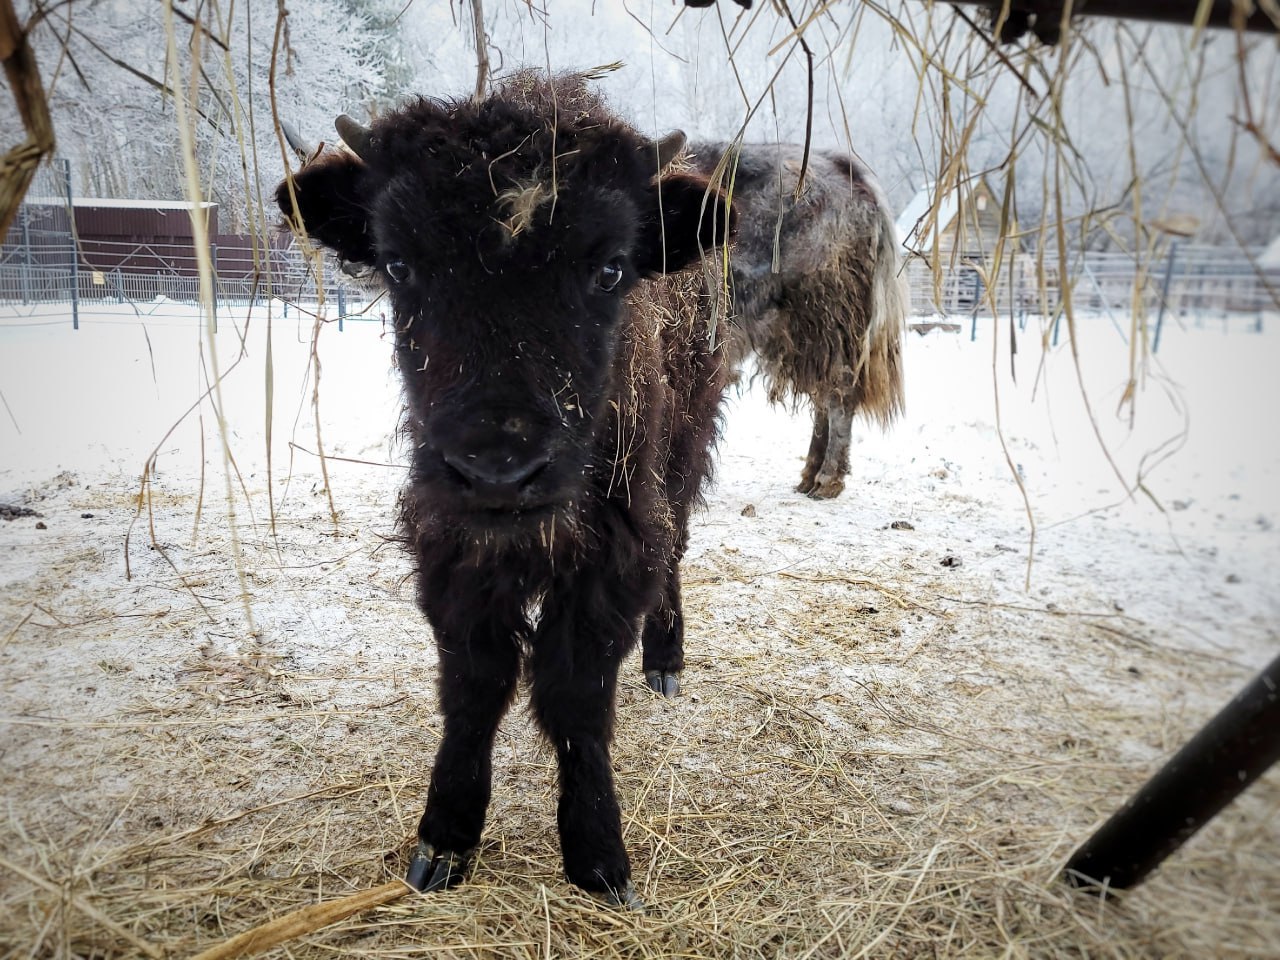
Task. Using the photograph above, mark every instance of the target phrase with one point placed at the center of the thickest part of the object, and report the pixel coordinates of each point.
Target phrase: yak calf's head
(510, 235)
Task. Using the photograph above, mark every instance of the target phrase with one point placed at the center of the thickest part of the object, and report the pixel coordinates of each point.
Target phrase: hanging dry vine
(18, 165)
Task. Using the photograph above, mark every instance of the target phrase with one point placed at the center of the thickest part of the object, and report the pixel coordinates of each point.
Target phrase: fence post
(980, 290)
(75, 253)
(342, 305)
(1164, 295)
(213, 283)
(26, 255)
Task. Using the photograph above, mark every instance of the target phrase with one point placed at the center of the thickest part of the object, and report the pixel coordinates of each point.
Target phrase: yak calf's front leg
(477, 680)
(573, 699)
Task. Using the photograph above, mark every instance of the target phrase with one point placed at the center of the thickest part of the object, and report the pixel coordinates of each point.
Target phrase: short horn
(353, 135)
(669, 148)
(295, 141)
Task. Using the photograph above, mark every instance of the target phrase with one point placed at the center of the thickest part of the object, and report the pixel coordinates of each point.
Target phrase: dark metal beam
(1221, 12)
(1216, 765)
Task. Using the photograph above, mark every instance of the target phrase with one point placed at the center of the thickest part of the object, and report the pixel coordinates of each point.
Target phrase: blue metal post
(977, 305)
(342, 305)
(1164, 295)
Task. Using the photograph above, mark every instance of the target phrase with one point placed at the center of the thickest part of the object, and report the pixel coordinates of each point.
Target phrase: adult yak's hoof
(626, 898)
(431, 870)
(825, 489)
(663, 682)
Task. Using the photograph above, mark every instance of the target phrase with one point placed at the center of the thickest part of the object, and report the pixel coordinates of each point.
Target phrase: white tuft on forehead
(518, 205)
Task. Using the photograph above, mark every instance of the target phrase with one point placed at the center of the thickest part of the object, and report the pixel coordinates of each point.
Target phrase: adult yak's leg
(663, 640)
(829, 481)
(478, 670)
(817, 448)
(576, 654)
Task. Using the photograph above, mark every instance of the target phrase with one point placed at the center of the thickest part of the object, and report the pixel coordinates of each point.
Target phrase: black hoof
(660, 681)
(430, 870)
(626, 898)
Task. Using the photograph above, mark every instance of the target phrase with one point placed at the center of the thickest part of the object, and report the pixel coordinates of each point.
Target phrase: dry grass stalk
(301, 922)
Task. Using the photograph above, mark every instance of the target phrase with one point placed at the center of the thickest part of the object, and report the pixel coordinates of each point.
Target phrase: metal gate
(38, 261)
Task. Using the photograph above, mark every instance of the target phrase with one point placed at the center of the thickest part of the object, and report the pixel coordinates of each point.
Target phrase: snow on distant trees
(111, 89)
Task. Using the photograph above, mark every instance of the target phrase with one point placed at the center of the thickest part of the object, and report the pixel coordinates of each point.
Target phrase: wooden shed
(959, 232)
(964, 226)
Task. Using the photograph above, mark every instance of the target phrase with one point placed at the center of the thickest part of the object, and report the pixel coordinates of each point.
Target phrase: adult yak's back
(817, 291)
(562, 398)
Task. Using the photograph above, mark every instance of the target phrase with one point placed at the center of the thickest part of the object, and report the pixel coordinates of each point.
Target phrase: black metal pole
(75, 250)
(27, 256)
(213, 291)
(1216, 765)
(1219, 13)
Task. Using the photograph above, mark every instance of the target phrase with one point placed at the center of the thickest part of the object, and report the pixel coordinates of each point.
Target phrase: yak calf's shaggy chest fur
(562, 399)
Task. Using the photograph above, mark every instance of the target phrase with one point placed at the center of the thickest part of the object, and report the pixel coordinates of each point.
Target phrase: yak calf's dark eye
(610, 276)
(397, 270)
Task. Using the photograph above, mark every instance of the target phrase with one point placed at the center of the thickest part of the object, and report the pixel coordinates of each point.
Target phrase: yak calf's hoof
(626, 898)
(431, 870)
(663, 682)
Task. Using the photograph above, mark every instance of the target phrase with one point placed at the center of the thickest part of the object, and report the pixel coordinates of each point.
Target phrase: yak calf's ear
(331, 206)
(694, 218)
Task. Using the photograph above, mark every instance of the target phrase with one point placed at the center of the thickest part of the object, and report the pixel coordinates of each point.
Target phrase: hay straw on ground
(855, 770)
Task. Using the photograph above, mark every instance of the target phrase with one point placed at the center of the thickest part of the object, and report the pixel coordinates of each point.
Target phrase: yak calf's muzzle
(498, 477)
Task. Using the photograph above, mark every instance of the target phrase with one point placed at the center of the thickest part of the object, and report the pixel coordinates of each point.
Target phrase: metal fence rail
(42, 261)
(1186, 280)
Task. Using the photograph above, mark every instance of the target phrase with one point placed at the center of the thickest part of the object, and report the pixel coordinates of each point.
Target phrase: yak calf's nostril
(535, 473)
(497, 475)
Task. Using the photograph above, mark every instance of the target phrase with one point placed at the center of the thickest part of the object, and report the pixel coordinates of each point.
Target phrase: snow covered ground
(1145, 609)
(1197, 539)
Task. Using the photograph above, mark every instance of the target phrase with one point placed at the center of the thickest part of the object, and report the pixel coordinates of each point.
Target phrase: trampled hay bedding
(864, 763)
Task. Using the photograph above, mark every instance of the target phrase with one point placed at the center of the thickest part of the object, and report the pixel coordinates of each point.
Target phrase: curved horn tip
(354, 134)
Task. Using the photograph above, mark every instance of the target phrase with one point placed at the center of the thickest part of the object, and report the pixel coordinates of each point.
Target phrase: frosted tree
(111, 94)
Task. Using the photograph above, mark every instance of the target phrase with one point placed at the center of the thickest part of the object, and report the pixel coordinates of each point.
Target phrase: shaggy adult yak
(562, 400)
(817, 292)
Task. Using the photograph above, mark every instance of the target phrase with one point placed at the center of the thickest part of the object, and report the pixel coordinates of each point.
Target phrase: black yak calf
(817, 292)
(562, 399)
